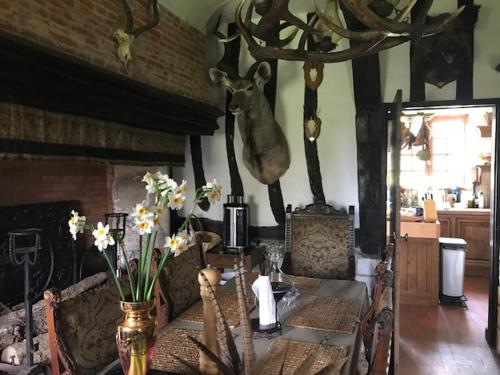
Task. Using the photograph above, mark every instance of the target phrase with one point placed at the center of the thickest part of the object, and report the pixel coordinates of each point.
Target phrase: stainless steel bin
(452, 259)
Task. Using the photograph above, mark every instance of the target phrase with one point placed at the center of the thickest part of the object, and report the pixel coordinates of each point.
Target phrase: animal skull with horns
(125, 37)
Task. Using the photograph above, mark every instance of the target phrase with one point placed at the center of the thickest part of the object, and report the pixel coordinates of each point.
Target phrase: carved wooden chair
(82, 328)
(177, 288)
(382, 335)
(319, 241)
(377, 323)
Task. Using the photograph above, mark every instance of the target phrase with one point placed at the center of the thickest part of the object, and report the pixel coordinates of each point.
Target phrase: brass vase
(135, 337)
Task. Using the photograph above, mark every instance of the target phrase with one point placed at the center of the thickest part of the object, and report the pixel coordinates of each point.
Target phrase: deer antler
(125, 37)
(382, 33)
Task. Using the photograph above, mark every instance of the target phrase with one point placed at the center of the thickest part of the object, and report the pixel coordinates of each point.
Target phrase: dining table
(339, 290)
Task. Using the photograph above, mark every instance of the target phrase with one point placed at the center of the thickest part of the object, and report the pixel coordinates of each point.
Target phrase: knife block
(430, 213)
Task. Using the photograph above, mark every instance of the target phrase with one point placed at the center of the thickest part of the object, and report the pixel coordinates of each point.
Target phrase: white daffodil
(168, 187)
(150, 182)
(140, 211)
(175, 201)
(182, 188)
(213, 191)
(102, 237)
(156, 221)
(76, 224)
(186, 236)
(144, 225)
(181, 247)
(213, 196)
(176, 244)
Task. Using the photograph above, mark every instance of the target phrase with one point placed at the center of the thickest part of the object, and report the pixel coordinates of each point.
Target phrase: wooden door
(394, 200)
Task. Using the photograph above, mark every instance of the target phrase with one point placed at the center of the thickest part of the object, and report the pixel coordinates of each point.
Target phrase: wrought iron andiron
(24, 248)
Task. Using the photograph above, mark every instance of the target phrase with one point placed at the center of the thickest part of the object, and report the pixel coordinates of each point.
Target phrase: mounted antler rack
(125, 37)
(386, 27)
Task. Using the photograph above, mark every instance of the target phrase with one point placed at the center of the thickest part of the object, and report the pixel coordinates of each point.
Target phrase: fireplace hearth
(56, 264)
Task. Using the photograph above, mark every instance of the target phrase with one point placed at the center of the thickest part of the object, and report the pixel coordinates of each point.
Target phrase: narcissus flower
(76, 224)
(102, 236)
(176, 244)
(176, 200)
(144, 225)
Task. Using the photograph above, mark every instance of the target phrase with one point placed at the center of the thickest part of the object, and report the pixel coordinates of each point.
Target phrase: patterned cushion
(87, 324)
(179, 280)
(320, 247)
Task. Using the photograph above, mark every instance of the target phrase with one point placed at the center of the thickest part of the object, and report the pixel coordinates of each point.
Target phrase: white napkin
(267, 306)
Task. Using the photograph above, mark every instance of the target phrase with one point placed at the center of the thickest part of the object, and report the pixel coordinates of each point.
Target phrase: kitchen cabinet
(473, 225)
(418, 264)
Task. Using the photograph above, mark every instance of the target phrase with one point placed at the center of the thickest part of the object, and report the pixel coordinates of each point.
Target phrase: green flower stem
(130, 276)
(149, 257)
(139, 271)
(117, 282)
(161, 264)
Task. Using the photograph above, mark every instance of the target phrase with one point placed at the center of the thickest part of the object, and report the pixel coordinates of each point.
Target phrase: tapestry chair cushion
(83, 327)
(88, 327)
(320, 242)
(179, 280)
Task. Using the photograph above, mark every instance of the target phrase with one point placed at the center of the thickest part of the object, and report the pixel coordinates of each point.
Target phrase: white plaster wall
(337, 142)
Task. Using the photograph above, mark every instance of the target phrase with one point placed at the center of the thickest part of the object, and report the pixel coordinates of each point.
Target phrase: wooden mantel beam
(40, 77)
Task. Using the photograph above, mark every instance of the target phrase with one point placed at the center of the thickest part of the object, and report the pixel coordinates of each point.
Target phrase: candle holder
(117, 223)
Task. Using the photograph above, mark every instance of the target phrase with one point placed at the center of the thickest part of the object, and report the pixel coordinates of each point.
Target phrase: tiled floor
(447, 340)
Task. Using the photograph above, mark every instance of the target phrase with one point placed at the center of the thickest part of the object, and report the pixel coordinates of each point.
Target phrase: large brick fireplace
(33, 181)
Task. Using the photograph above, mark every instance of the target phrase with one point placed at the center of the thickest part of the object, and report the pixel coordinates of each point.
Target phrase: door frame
(491, 330)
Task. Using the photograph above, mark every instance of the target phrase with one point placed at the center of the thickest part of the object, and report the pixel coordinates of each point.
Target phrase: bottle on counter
(475, 201)
(480, 200)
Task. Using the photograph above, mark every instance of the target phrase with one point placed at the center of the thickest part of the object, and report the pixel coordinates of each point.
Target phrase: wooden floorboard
(448, 340)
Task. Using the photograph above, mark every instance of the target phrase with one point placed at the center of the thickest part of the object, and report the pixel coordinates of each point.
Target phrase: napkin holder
(267, 323)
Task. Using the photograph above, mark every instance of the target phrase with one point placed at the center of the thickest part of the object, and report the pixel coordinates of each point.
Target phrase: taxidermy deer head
(444, 57)
(265, 148)
(125, 37)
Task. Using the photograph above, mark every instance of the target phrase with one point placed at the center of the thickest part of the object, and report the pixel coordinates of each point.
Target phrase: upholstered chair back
(82, 329)
(178, 280)
(320, 241)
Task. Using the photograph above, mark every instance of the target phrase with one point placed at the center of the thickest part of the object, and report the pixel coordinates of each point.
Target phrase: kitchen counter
(473, 225)
(465, 210)
(418, 263)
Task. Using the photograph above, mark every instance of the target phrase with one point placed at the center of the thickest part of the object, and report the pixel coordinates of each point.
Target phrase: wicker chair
(319, 242)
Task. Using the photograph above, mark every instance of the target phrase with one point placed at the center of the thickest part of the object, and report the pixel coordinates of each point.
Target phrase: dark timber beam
(417, 83)
(465, 86)
(274, 190)
(311, 148)
(199, 173)
(371, 140)
(43, 78)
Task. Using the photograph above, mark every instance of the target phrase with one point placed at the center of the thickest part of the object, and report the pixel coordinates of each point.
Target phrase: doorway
(448, 157)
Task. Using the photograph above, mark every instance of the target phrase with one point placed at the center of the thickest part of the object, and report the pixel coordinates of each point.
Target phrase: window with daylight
(447, 146)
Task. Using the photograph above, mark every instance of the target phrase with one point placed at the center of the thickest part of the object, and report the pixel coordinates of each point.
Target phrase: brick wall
(171, 56)
(44, 181)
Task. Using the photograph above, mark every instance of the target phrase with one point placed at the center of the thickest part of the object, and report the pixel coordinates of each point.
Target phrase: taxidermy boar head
(444, 57)
(265, 149)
